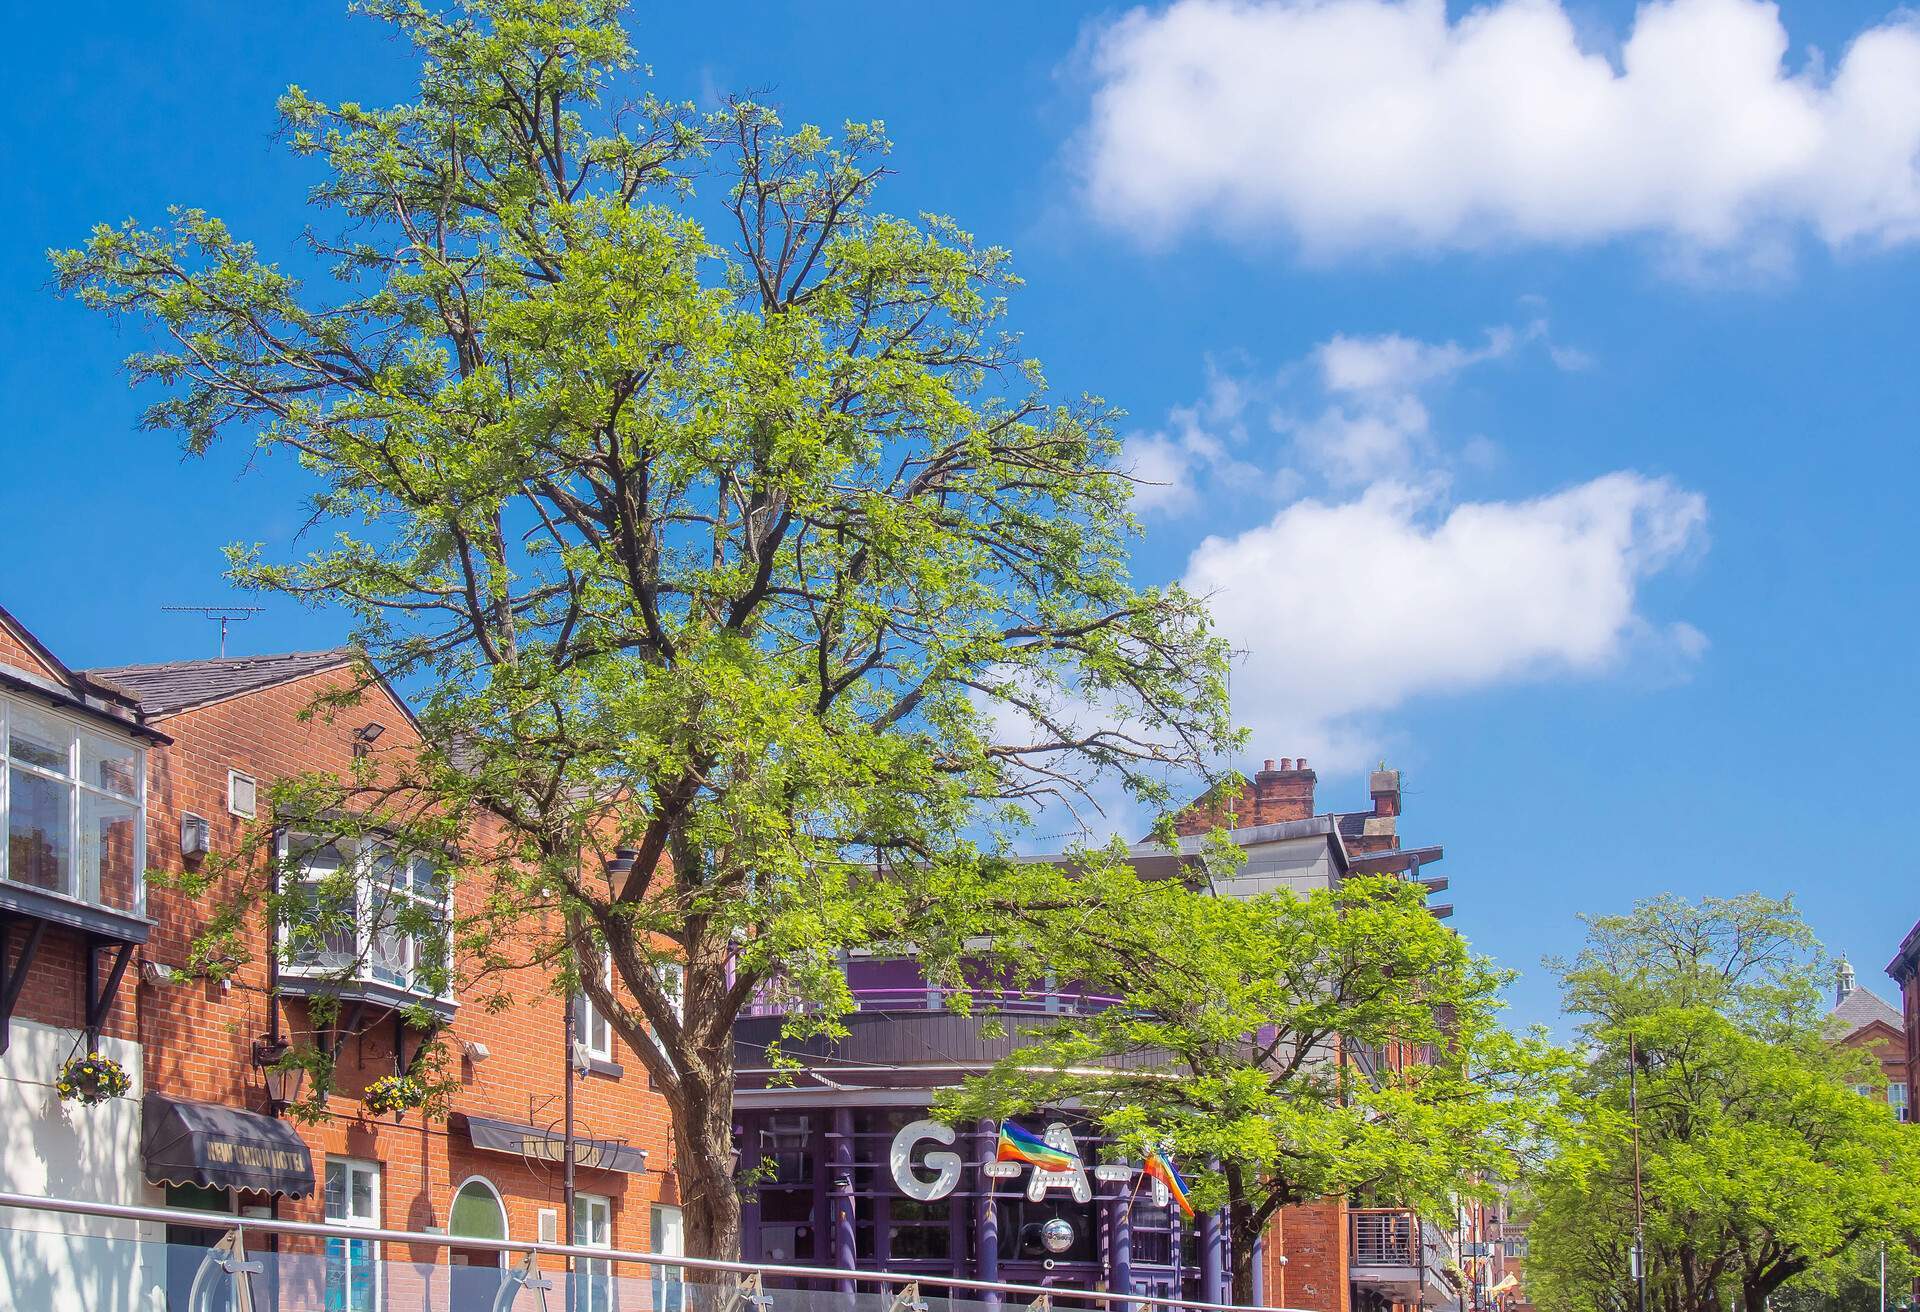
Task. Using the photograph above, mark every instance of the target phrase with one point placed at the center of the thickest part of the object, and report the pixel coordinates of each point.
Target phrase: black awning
(204, 1143)
(551, 1145)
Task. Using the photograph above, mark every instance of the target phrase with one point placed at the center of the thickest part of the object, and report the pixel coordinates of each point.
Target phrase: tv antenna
(225, 614)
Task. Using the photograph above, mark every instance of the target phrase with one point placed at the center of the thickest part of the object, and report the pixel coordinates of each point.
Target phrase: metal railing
(223, 1275)
(1397, 1237)
(984, 1001)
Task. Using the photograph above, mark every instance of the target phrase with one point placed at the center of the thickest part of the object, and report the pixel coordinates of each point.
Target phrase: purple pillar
(1212, 1249)
(986, 1217)
(1259, 1272)
(1120, 1246)
(840, 1195)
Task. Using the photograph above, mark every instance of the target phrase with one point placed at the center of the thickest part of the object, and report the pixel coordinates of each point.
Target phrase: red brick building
(1331, 1256)
(114, 772)
(1905, 970)
(1861, 1019)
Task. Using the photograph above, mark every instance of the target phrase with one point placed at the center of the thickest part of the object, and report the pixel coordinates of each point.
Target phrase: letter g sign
(945, 1165)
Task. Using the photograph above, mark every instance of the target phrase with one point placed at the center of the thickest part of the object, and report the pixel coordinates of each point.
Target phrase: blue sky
(1543, 386)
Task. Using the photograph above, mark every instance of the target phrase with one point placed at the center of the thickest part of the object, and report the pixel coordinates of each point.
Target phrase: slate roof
(174, 686)
(1861, 1008)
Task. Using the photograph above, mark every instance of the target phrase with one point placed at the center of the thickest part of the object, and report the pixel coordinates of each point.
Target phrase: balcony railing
(64, 1253)
(1396, 1250)
(1020, 1002)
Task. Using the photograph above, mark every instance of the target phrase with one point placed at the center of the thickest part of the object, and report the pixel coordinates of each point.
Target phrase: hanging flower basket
(398, 1094)
(92, 1079)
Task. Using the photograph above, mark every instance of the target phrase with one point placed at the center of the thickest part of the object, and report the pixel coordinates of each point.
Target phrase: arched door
(477, 1213)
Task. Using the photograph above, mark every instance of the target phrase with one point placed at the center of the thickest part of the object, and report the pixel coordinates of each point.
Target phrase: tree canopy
(1763, 1168)
(1281, 1048)
(721, 529)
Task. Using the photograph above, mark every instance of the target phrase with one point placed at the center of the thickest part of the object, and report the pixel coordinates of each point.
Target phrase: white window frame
(596, 1277)
(1900, 1103)
(78, 789)
(353, 1166)
(370, 895)
(669, 1283)
(593, 1031)
(233, 806)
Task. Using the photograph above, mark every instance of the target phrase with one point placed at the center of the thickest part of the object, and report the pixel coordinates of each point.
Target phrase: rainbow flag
(1017, 1145)
(1162, 1170)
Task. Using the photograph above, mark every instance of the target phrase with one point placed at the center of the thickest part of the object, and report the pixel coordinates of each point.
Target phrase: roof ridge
(340, 652)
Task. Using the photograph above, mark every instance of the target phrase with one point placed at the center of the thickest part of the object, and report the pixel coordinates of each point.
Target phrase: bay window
(358, 911)
(73, 808)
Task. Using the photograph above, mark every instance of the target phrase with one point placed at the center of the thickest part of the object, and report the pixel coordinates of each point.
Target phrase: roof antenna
(225, 614)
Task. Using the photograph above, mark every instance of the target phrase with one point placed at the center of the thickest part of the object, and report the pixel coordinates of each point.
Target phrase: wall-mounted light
(476, 1051)
(365, 736)
(196, 835)
(283, 1082)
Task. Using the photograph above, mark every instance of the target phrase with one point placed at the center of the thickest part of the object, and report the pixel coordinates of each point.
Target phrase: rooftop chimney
(1282, 794)
(1384, 784)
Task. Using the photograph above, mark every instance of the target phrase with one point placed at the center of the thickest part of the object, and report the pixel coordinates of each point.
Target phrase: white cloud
(1358, 123)
(1348, 610)
(1168, 465)
(1390, 361)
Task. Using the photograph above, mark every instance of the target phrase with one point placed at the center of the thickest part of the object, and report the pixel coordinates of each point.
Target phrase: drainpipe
(566, 1185)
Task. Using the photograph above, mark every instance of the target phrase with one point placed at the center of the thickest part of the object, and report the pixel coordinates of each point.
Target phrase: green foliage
(1262, 1041)
(709, 509)
(1763, 1171)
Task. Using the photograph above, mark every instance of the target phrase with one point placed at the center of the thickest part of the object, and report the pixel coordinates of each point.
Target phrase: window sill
(611, 1070)
(298, 983)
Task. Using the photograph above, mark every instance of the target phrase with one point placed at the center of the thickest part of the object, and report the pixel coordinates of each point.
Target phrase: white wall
(66, 1150)
(1296, 865)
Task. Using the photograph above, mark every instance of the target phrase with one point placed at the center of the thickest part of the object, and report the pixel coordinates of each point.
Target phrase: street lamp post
(1639, 1214)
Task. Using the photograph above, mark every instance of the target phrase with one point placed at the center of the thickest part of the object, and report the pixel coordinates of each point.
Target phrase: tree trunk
(1243, 1234)
(704, 1162)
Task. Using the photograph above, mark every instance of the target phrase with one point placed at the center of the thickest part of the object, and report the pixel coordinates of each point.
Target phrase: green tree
(726, 538)
(1280, 1048)
(1762, 1170)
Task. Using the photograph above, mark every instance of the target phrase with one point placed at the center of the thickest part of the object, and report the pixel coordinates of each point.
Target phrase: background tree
(725, 539)
(1282, 1048)
(1763, 1169)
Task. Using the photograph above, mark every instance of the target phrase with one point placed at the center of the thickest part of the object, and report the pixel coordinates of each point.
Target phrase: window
(1897, 1098)
(243, 794)
(673, 981)
(353, 1199)
(669, 1239)
(358, 911)
(593, 1228)
(593, 1031)
(73, 805)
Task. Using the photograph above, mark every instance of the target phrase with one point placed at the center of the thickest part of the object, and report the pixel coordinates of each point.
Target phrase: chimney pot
(1286, 763)
(1269, 764)
(1301, 764)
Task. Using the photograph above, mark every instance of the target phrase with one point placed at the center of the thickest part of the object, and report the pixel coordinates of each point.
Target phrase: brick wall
(1279, 791)
(17, 651)
(1313, 1238)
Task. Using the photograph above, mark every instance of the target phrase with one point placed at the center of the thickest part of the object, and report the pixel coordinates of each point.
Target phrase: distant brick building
(1860, 1019)
(1331, 1256)
(163, 767)
(1905, 970)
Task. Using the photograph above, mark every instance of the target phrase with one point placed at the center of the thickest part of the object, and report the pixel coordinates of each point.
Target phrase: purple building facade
(858, 1176)
(855, 1174)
